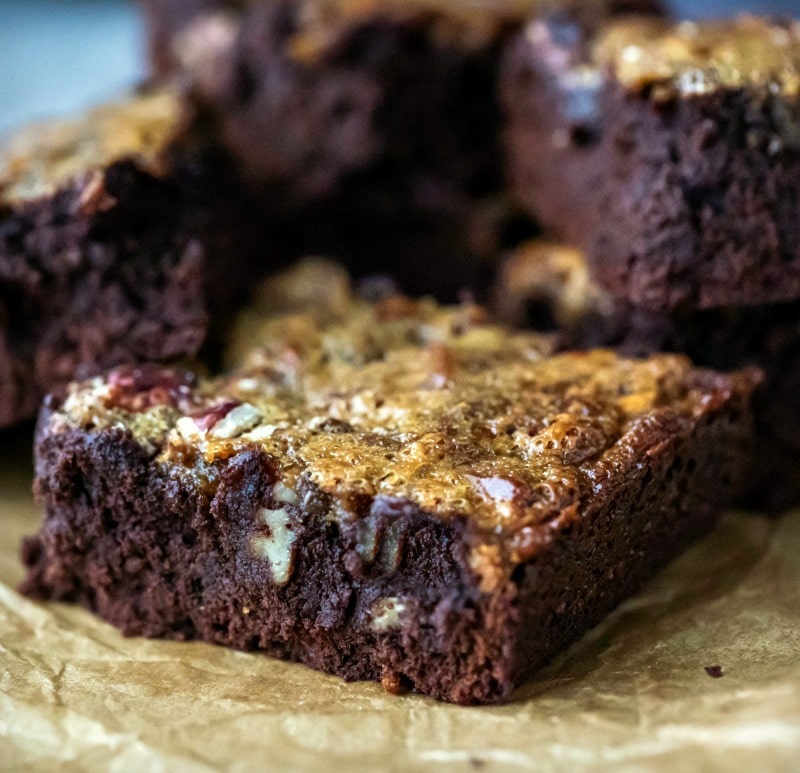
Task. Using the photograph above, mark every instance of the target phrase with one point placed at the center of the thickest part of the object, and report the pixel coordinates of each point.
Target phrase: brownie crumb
(715, 672)
(394, 683)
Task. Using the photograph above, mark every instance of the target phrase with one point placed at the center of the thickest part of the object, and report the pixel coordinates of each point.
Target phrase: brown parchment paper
(633, 696)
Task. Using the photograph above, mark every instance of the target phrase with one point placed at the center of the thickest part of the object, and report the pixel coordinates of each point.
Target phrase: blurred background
(61, 55)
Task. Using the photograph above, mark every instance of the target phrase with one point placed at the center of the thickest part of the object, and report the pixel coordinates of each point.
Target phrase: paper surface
(633, 696)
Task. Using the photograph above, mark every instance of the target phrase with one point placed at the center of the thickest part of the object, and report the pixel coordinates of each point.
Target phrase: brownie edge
(99, 263)
(546, 286)
(669, 151)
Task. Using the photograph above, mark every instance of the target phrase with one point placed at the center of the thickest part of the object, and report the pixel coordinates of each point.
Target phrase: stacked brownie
(378, 485)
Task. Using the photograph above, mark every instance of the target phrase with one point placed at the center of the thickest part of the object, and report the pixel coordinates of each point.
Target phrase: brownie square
(548, 287)
(669, 151)
(378, 121)
(123, 233)
(96, 265)
(386, 490)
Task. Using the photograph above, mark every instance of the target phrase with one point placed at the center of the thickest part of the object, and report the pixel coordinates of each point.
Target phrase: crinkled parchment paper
(634, 695)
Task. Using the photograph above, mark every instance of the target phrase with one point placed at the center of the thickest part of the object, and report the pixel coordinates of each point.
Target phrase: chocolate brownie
(548, 287)
(110, 233)
(390, 490)
(308, 92)
(381, 117)
(671, 152)
(94, 267)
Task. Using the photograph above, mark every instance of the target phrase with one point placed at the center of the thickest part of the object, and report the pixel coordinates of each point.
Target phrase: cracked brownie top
(407, 400)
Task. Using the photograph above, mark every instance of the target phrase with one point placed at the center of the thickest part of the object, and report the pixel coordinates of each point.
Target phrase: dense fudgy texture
(119, 234)
(671, 152)
(391, 491)
(548, 287)
(96, 265)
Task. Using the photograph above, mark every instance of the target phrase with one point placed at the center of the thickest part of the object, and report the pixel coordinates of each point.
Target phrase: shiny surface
(632, 696)
(694, 59)
(409, 400)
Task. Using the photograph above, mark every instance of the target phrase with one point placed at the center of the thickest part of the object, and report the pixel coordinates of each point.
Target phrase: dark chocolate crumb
(477, 763)
(714, 671)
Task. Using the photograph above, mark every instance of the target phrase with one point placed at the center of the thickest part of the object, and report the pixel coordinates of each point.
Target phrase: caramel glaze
(406, 400)
(691, 59)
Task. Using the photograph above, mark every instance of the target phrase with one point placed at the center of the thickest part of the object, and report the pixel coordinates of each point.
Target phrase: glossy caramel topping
(38, 160)
(693, 59)
(406, 400)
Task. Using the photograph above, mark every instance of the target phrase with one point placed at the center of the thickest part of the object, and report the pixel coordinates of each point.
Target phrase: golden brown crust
(38, 160)
(473, 24)
(691, 59)
(411, 401)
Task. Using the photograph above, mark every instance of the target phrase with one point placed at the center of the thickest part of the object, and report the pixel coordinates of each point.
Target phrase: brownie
(548, 287)
(308, 92)
(387, 490)
(117, 240)
(670, 152)
(378, 120)
(94, 267)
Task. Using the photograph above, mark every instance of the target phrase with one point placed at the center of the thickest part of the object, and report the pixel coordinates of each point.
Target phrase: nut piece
(237, 422)
(284, 494)
(386, 613)
(277, 548)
